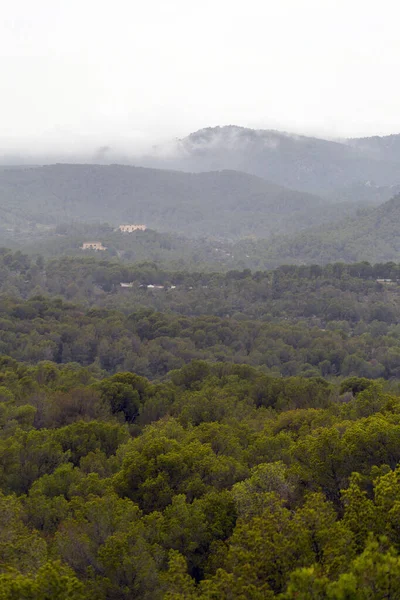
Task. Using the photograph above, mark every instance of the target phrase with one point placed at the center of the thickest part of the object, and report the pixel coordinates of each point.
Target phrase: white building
(93, 246)
(131, 228)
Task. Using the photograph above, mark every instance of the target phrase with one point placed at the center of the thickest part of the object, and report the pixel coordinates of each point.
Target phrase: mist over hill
(354, 167)
(279, 197)
(297, 161)
(380, 147)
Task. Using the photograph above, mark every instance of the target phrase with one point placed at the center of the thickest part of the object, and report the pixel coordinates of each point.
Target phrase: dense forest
(337, 320)
(221, 482)
(198, 434)
(199, 321)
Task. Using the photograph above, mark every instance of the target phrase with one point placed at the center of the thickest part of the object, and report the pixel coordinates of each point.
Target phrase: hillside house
(132, 228)
(93, 246)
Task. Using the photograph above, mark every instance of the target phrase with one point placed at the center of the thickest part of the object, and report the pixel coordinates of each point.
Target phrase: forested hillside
(380, 147)
(204, 431)
(354, 168)
(174, 251)
(199, 332)
(373, 236)
(223, 204)
(229, 219)
(166, 249)
(312, 164)
(205, 221)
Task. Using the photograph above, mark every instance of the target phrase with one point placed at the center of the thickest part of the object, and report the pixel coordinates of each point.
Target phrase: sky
(88, 73)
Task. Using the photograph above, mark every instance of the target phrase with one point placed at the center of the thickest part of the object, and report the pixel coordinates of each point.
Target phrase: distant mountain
(381, 148)
(300, 162)
(225, 204)
(372, 236)
(352, 169)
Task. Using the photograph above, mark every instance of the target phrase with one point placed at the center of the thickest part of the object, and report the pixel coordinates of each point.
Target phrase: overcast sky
(76, 72)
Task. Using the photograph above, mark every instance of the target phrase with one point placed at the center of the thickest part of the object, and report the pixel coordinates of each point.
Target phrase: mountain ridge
(302, 162)
(319, 165)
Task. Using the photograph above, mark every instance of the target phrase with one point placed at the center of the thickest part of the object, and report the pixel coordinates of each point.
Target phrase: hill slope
(385, 147)
(222, 204)
(299, 162)
(373, 236)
